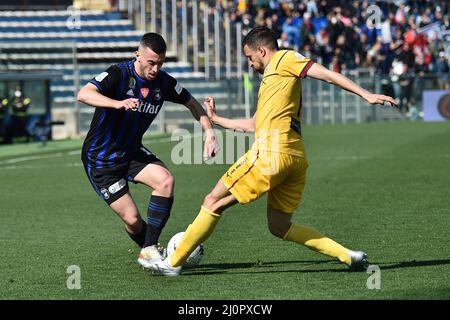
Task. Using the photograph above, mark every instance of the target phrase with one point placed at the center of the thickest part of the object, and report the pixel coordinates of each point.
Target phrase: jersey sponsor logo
(157, 94)
(237, 166)
(101, 76)
(299, 56)
(105, 193)
(144, 92)
(146, 107)
(178, 88)
(116, 187)
(444, 106)
(132, 83)
(130, 93)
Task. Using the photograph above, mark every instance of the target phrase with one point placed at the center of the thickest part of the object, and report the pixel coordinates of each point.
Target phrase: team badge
(105, 193)
(144, 92)
(132, 83)
(157, 94)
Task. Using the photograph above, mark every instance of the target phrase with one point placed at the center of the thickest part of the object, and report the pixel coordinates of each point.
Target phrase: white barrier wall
(436, 105)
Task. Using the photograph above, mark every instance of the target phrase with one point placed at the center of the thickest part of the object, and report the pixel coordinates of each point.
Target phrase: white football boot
(165, 268)
(150, 254)
(359, 261)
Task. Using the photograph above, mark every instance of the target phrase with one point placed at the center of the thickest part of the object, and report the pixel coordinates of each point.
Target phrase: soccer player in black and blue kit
(127, 97)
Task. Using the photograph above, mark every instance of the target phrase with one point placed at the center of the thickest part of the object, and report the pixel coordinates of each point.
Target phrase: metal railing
(196, 32)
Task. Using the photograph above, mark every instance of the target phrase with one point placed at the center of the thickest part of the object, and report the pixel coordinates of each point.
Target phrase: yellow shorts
(282, 175)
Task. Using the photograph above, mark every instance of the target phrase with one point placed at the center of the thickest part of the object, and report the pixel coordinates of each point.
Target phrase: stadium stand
(333, 33)
(44, 40)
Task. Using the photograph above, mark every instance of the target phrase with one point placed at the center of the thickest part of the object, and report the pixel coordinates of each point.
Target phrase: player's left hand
(210, 105)
(211, 147)
(380, 99)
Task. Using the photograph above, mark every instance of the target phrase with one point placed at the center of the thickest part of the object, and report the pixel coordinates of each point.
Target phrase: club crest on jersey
(157, 94)
(132, 83)
(105, 193)
(144, 92)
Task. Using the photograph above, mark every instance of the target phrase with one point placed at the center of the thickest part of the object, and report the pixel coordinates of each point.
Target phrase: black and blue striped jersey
(115, 134)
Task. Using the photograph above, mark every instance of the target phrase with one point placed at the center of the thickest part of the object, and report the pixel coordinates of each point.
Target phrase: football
(196, 255)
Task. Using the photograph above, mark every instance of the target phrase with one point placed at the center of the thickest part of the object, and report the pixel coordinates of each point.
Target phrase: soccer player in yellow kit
(277, 162)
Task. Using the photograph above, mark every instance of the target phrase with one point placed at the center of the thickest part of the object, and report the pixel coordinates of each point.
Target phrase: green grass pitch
(382, 188)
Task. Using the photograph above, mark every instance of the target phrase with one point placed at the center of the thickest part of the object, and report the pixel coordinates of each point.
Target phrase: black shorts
(112, 183)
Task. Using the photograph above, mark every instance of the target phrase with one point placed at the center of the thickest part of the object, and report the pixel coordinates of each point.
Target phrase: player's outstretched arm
(243, 125)
(317, 71)
(90, 95)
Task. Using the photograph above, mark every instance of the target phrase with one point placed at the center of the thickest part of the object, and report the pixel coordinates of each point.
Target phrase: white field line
(79, 164)
(59, 154)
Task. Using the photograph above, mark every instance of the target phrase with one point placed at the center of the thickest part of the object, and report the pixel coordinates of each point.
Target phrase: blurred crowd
(396, 39)
(349, 34)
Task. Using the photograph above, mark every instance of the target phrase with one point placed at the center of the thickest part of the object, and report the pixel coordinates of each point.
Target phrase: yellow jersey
(279, 109)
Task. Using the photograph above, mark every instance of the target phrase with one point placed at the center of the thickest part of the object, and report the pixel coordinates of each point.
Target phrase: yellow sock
(314, 240)
(197, 232)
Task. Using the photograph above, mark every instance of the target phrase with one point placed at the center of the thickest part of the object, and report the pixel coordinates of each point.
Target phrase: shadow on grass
(260, 267)
(265, 267)
(413, 264)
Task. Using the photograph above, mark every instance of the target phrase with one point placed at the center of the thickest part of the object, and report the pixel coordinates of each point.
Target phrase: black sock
(157, 215)
(139, 238)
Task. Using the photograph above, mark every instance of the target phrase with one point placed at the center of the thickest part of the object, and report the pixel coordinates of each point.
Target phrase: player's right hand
(380, 99)
(127, 104)
(210, 107)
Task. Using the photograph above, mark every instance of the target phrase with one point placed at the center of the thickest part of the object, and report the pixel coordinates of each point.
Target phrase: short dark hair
(154, 41)
(261, 36)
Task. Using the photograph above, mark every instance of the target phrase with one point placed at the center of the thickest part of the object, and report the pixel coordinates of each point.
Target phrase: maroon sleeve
(306, 69)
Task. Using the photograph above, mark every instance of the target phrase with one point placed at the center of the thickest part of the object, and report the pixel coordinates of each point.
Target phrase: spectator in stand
(442, 70)
(307, 28)
(283, 42)
(334, 28)
(326, 50)
(362, 47)
(315, 49)
(276, 23)
(422, 54)
(292, 31)
(311, 8)
(446, 25)
(301, 9)
(317, 26)
(405, 56)
(260, 17)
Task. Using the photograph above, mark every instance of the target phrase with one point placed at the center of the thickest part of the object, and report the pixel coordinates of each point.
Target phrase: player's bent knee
(167, 186)
(279, 228)
(210, 201)
(132, 222)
